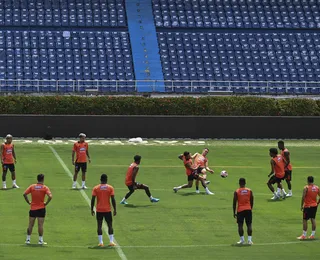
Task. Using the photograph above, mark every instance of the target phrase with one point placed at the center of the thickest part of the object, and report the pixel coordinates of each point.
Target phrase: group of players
(196, 166)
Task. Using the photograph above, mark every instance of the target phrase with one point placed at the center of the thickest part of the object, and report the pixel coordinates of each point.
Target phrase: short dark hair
(137, 158)
(186, 153)
(103, 177)
(206, 149)
(281, 142)
(40, 177)
(242, 181)
(310, 179)
(273, 150)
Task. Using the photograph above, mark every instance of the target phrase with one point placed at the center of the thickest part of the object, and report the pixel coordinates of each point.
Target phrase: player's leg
(204, 185)
(147, 190)
(240, 220)
(313, 213)
(4, 176)
(13, 176)
(270, 182)
(84, 171)
(75, 176)
(30, 227)
(99, 217)
(288, 180)
(197, 186)
(248, 219)
(280, 188)
(185, 186)
(108, 219)
(306, 217)
(41, 214)
(131, 190)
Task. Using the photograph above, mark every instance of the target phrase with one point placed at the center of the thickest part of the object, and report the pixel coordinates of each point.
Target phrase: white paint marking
(179, 246)
(86, 198)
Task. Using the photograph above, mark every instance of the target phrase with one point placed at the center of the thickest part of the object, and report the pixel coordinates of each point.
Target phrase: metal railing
(166, 86)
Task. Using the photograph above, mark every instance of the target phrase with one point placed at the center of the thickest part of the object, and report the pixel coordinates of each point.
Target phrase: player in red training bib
(131, 183)
(277, 171)
(288, 167)
(242, 210)
(81, 150)
(309, 206)
(8, 160)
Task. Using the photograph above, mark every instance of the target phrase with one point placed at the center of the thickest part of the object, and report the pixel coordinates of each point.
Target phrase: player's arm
(189, 166)
(235, 200)
(93, 201)
(304, 193)
(25, 195)
(251, 200)
(180, 156)
(272, 168)
(49, 195)
(287, 158)
(14, 154)
(319, 197)
(87, 152)
(113, 202)
(2, 147)
(194, 155)
(134, 175)
(73, 153)
(208, 169)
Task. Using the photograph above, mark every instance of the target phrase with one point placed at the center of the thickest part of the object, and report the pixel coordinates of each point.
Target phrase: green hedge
(111, 105)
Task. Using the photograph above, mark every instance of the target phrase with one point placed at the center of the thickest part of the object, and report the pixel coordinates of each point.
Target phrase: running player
(288, 168)
(243, 203)
(38, 206)
(277, 171)
(8, 159)
(191, 172)
(201, 160)
(81, 149)
(131, 181)
(309, 207)
(104, 193)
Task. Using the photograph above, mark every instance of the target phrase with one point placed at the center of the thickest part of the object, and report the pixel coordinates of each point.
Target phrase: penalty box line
(86, 198)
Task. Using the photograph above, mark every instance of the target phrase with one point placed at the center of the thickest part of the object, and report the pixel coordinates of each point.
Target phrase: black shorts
(288, 175)
(199, 170)
(82, 166)
(245, 215)
(193, 176)
(104, 215)
(273, 179)
(138, 186)
(309, 212)
(10, 166)
(39, 213)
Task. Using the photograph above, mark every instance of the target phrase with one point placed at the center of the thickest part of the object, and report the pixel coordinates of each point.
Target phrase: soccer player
(104, 193)
(201, 160)
(38, 192)
(277, 171)
(288, 167)
(309, 207)
(81, 149)
(132, 184)
(8, 159)
(243, 204)
(191, 172)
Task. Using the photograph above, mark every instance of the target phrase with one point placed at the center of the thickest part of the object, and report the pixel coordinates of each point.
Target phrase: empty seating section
(240, 57)
(89, 13)
(237, 13)
(56, 55)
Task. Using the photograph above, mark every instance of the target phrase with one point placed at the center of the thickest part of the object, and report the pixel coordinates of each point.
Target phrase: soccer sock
(4, 183)
(14, 181)
(313, 233)
(242, 239)
(151, 197)
(275, 194)
(75, 183)
(111, 238)
(124, 199)
(278, 190)
(40, 238)
(290, 191)
(249, 238)
(83, 183)
(180, 187)
(284, 192)
(28, 237)
(100, 239)
(304, 233)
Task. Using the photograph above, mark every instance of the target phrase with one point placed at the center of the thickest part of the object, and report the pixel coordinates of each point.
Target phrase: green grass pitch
(184, 226)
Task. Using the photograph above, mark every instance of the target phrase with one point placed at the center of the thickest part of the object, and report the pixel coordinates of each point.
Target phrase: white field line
(177, 246)
(86, 198)
(218, 166)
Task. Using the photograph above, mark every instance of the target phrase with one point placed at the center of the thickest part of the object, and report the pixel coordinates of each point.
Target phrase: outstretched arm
(208, 169)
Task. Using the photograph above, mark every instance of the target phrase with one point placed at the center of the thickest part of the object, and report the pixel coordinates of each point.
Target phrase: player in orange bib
(81, 149)
(242, 210)
(104, 193)
(38, 193)
(131, 183)
(192, 174)
(277, 171)
(288, 167)
(309, 206)
(8, 159)
(201, 161)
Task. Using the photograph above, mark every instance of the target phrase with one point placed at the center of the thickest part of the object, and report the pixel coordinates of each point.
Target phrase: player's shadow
(7, 189)
(76, 189)
(240, 245)
(101, 247)
(279, 200)
(34, 245)
(191, 194)
(137, 206)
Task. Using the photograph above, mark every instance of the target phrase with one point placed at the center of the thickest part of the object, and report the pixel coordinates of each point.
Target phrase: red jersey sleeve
(28, 191)
(48, 192)
(74, 149)
(94, 192)
(112, 191)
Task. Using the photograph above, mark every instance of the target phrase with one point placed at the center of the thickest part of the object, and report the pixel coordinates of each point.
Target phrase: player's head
(273, 152)
(40, 178)
(137, 159)
(82, 137)
(281, 145)
(8, 138)
(186, 155)
(104, 178)
(242, 182)
(205, 151)
(310, 179)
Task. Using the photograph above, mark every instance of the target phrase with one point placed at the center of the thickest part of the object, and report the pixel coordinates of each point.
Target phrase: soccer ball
(224, 174)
